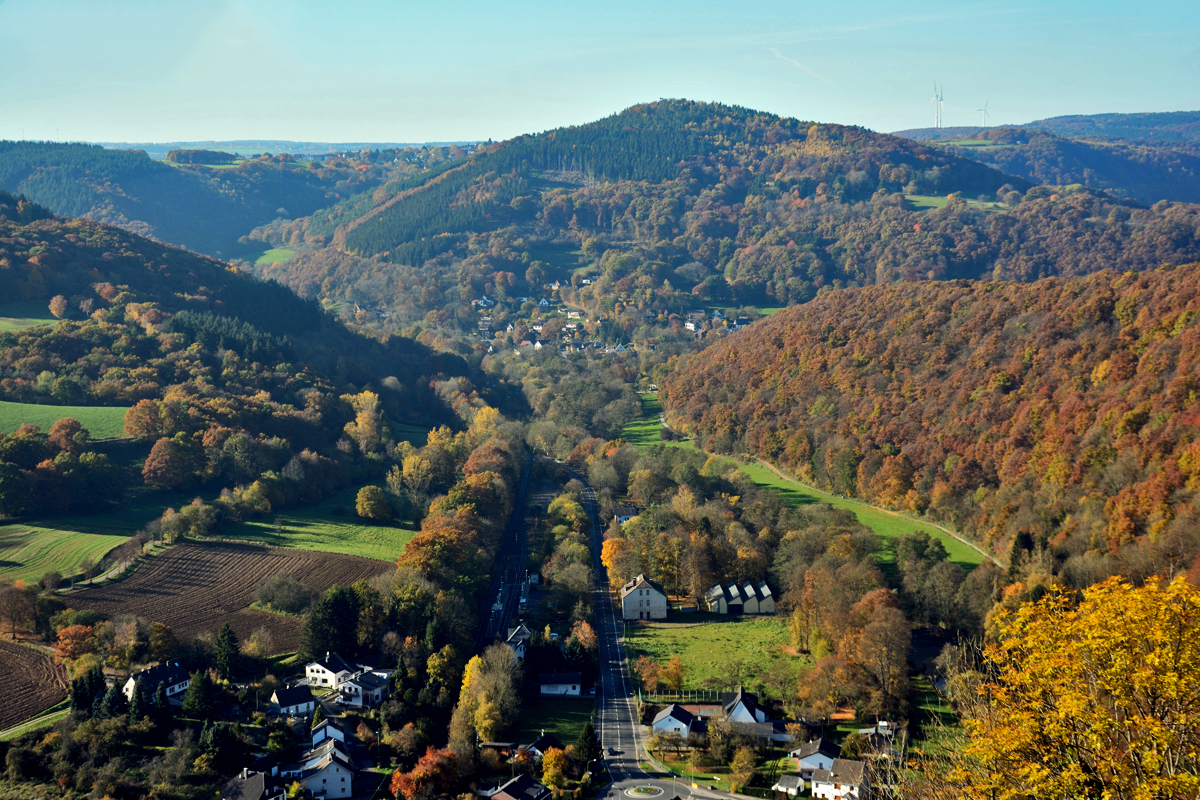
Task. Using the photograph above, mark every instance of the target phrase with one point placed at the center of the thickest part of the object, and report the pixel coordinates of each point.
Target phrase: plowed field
(30, 682)
(196, 587)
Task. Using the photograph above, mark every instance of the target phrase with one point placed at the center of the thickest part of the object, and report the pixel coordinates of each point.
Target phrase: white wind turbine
(983, 115)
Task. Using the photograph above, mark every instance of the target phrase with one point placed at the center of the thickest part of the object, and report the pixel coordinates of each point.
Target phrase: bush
(282, 592)
(372, 504)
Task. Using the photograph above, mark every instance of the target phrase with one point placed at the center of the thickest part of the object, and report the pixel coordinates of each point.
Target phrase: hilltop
(1055, 422)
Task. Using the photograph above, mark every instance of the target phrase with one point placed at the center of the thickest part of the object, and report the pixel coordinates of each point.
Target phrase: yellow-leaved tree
(1082, 695)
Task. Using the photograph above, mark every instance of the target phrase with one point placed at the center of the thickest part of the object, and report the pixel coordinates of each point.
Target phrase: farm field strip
(19, 315)
(29, 552)
(30, 683)
(103, 422)
(196, 587)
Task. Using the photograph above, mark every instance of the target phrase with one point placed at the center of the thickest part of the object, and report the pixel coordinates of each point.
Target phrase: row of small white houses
(643, 598)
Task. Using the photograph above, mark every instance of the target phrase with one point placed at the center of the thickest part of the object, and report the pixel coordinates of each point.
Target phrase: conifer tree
(198, 701)
(226, 653)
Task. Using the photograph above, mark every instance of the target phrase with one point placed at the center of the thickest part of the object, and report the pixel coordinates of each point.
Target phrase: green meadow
(103, 422)
(18, 315)
(331, 526)
(276, 255)
(28, 552)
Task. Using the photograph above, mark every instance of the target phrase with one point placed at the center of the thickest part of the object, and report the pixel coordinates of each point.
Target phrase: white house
(789, 784)
(623, 512)
(734, 599)
(328, 729)
(174, 677)
(543, 743)
(642, 598)
(845, 778)
(518, 639)
(293, 701)
(365, 689)
(742, 706)
(327, 770)
(674, 719)
(521, 787)
(328, 672)
(814, 755)
(564, 683)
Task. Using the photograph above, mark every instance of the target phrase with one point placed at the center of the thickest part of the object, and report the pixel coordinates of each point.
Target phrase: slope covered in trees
(675, 204)
(1055, 422)
(1144, 172)
(188, 204)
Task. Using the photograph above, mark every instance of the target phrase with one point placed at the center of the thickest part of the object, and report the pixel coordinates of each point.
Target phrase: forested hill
(189, 205)
(106, 283)
(1170, 127)
(1146, 173)
(1057, 422)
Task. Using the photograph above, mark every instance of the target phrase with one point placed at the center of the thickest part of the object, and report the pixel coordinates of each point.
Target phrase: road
(616, 706)
(508, 576)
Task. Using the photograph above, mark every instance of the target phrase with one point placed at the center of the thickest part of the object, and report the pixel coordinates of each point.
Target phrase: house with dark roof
(540, 745)
(327, 770)
(174, 677)
(845, 778)
(293, 701)
(623, 512)
(745, 599)
(328, 672)
(248, 785)
(521, 787)
(643, 598)
(365, 689)
(674, 719)
(815, 754)
(742, 706)
(565, 683)
(329, 728)
(518, 639)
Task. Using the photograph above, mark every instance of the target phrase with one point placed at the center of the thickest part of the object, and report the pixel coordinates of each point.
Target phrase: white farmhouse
(642, 598)
(328, 672)
(564, 683)
(844, 779)
(293, 701)
(674, 719)
(174, 677)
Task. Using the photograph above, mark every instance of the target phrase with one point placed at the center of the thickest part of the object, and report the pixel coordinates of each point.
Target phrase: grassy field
(413, 434)
(15, 316)
(562, 716)
(320, 527)
(276, 255)
(102, 422)
(925, 202)
(28, 552)
(749, 645)
(643, 432)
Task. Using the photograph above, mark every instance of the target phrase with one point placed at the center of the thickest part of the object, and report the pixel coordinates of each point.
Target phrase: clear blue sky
(388, 70)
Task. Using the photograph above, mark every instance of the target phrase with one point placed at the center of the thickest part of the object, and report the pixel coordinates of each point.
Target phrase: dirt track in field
(30, 682)
(196, 587)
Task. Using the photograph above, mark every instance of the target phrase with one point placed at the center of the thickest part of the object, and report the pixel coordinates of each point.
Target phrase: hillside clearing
(29, 552)
(276, 255)
(17, 315)
(103, 422)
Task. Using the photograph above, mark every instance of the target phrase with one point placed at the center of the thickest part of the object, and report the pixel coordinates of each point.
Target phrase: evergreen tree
(114, 704)
(162, 707)
(226, 652)
(86, 688)
(318, 716)
(588, 747)
(139, 704)
(198, 700)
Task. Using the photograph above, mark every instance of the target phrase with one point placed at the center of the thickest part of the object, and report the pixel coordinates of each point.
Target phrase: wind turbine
(937, 107)
(983, 115)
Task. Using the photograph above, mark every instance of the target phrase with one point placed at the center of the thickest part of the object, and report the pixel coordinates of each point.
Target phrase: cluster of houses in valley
(332, 757)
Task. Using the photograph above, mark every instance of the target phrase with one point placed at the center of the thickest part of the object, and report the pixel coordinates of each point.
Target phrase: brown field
(196, 587)
(30, 682)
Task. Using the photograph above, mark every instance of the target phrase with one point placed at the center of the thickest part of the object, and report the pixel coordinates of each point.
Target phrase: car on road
(612, 751)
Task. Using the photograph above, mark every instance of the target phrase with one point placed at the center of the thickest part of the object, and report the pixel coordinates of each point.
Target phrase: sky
(398, 71)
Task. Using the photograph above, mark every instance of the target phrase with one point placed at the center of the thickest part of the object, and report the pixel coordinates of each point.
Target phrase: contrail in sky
(800, 66)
